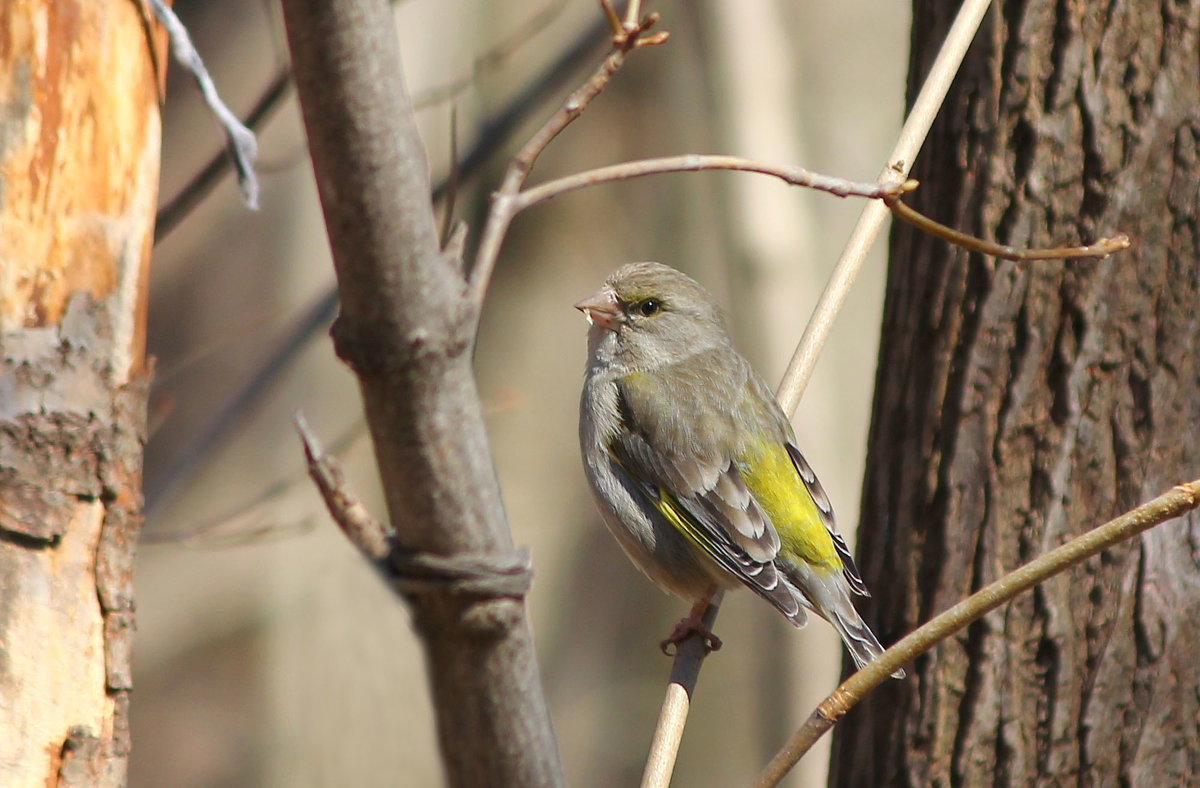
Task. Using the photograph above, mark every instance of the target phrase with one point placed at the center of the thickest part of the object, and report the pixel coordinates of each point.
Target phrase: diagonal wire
(240, 141)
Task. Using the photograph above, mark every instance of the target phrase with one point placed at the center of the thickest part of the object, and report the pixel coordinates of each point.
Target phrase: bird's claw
(692, 625)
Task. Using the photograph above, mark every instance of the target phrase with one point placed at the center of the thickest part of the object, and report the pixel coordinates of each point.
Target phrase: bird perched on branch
(694, 465)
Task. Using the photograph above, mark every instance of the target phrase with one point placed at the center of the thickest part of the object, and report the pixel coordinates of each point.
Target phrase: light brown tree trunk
(79, 160)
(1020, 404)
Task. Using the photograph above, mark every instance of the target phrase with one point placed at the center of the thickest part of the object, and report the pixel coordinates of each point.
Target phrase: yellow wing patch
(771, 477)
(669, 509)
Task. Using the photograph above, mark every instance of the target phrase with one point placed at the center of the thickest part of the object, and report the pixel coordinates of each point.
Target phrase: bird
(694, 466)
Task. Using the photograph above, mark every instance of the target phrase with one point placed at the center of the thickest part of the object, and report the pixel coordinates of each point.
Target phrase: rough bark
(79, 157)
(407, 329)
(1019, 404)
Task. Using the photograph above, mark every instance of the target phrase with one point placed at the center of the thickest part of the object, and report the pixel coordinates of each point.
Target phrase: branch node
(411, 572)
(484, 576)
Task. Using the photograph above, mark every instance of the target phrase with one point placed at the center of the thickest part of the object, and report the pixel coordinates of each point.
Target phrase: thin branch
(1100, 249)
(493, 133)
(227, 526)
(365, 532)
(916, 127)
(451, 181)
(504, 201)
(693, 162)
(685, 672)
(181, 465)
(1177, 501)
(632, 15)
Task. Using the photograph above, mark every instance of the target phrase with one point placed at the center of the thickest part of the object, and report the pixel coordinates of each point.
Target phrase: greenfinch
(694, 466)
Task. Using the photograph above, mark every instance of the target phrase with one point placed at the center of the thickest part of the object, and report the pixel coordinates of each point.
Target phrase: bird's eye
(649, 307)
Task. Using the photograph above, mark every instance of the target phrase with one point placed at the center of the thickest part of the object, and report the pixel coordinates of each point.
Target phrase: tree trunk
(79, 158)
(1019, 404)
(406, 327)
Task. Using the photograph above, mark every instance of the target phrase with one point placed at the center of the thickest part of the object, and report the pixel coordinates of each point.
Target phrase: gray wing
(694, 477)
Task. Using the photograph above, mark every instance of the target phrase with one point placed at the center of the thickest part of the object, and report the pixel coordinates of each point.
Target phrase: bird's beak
(602, 309)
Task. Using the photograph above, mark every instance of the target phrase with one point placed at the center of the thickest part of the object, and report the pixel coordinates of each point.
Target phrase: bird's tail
(857, 636)
(828, 595)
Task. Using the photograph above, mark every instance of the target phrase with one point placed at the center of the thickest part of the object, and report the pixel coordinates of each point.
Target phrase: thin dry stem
(685, 671)
(632, 14)
(1100, 249)
(364, 531)
(694, 162)
(504, 200)
(912, 136)
(1175, 502)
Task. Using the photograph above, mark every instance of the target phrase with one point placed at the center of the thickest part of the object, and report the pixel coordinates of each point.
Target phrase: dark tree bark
(79, 157)
(1017, 405)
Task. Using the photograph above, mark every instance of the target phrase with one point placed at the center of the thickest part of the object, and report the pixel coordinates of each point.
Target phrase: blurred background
(267, 653)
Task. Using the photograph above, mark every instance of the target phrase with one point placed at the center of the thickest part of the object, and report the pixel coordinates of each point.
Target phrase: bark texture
(1019, 404)
(407, 329)
(79, 157)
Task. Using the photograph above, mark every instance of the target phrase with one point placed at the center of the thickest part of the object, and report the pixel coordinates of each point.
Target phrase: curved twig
(696, 162)
(1100, 249)
(504, 200)
(1169, 505)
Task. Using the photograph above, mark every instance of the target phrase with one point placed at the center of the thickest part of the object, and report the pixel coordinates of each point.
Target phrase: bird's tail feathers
(828, 595)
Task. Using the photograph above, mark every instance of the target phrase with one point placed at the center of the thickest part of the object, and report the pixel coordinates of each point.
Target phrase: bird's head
(650, 314)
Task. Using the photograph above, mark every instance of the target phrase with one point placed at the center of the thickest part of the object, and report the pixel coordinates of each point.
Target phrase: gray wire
(240, 141)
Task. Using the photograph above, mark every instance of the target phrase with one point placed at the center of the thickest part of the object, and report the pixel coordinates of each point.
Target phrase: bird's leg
(693, 624)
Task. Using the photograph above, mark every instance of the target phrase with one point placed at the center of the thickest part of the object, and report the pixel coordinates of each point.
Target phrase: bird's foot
(692, 625)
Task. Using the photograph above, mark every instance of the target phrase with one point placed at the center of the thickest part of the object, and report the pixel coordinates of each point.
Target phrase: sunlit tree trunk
(79, 161)
(1017, 405)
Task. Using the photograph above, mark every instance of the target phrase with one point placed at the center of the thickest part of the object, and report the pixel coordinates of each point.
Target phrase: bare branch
(317, 316)
(365, 532)
(503, 202)
(493, 57)
(1171, 504)
(494, 132)
(1100, 249)
(172, 214)
(694, 162)
(912, 136)
(685, 672)
(632, 15)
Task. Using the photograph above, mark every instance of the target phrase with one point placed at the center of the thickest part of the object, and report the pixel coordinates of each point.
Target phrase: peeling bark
(79, 154)
(1018, 405)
